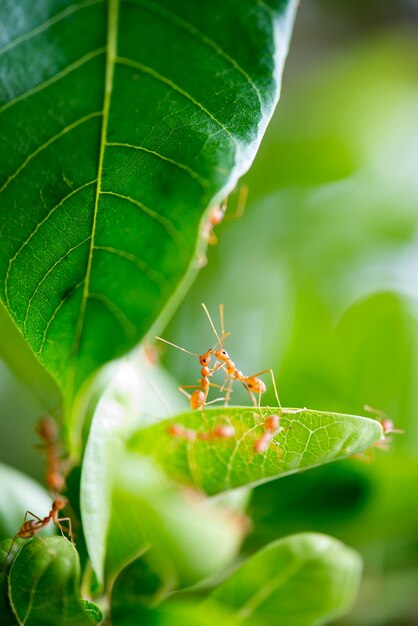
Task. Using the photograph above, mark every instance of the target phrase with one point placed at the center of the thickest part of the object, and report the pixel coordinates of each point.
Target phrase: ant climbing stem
(31, 527)
(217, 215)
(54, 476)
(252, 384)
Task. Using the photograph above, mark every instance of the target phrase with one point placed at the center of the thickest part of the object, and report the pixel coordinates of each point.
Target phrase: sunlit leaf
(122, 122)
(309, 438)
(302, 580)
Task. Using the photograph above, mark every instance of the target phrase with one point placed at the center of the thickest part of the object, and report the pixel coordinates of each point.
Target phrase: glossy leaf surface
(309, 438)
(122, 121)
(301, 580)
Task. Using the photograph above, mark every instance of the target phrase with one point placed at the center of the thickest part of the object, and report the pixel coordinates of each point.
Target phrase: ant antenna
(175, 346)
(221, 315)
(211, 323)
(370, 409)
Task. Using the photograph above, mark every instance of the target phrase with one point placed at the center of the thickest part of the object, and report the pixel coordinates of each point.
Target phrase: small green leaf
(123, 121)
(18, 494)
(302, 580)
(92, 610)
(46, 573)
(310, 438)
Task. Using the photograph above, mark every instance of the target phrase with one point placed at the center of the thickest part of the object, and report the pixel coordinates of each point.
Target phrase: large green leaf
(302, 580)
(122, 121)
(310, 438)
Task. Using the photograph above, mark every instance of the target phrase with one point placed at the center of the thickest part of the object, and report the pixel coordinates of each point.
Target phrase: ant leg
(377, 412)
(184, 387)
(229, 392)
(241, 204)
(68, 530)
(8, 552)
(33, 515)
(216, 400)
(272, 380)
(253, 400)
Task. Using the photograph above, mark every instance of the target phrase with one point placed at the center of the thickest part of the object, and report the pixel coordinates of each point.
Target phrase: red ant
(31, 527)
(54, 477)
(387, 425)
(218, 432)
(253, 384)
(271, 429)
(217, 215)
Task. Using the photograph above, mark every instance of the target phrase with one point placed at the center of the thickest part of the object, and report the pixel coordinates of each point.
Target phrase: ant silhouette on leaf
(55, 481)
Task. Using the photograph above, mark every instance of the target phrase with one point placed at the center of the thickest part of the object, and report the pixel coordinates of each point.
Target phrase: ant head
(204, 359)
(59, 503)
(222, 355)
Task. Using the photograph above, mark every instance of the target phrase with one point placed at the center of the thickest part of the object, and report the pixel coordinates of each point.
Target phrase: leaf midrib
(111, 48)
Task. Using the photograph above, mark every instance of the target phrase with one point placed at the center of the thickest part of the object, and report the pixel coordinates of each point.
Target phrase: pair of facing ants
(252, 384)
(198, 398)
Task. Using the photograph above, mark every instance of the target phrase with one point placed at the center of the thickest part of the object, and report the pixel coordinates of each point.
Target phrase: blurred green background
(320, 282)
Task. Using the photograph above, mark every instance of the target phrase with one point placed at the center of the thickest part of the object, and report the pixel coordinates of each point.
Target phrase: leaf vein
(53, 79)
(195, 32)
(54, 314)
(51, 269)
(125, 323)
(163, 79)
(144, 267)
(50, 141)
(203, 183)
(111, 47)
(33, 233)
(50, 22)
(169, 227)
